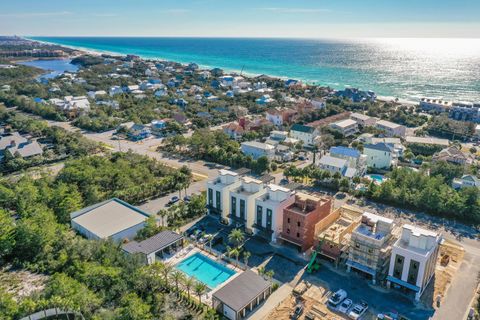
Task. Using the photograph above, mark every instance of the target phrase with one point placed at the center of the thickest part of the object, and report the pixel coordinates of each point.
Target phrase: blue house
(138, 132)
(357, 95)
(215, 84)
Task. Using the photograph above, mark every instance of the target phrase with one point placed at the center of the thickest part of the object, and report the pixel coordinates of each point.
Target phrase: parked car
(173, 200)
(337, 298)
(345, 306)
(187, 198)
(283, 182)
(358, 310)
(297, 312)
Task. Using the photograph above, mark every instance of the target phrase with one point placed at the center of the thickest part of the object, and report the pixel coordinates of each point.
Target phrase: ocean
(403, 68)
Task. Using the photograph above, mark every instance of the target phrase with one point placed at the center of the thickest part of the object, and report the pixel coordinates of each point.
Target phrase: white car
(358, 310)
(337, 298)
(345, 306)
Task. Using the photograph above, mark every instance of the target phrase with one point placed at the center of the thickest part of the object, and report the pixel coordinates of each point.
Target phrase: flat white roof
(345, 123)
(251, 180)
(375, 218)
(388, 124)
(258, 145)
(109, 217)
(417, 231)
(225, 172)
(275, 187)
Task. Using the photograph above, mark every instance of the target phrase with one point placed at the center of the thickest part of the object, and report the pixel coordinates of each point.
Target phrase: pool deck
(190, 250)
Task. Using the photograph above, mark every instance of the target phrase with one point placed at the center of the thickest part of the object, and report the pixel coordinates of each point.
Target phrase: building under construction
(333, 233)
(370, 246)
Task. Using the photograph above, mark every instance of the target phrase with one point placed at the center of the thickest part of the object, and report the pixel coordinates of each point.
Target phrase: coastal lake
(404, 68)
(54, 67)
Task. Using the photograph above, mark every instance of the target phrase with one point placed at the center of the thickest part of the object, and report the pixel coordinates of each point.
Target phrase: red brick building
(300, 218)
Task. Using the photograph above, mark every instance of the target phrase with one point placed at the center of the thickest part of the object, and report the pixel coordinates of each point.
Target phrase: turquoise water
(54, 67)
(377, 177)
(403, 68)
(205, 270)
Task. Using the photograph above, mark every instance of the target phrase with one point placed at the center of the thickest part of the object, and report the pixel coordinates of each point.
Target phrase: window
(269, 219)
(298, 224)
(218, 198)
(234, 206)
(210, 197)
(288, 231)
(288, 220)
(259, 215)
(298, 235)
(242, 209)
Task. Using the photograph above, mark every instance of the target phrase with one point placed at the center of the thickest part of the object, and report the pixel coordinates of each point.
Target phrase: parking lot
(289, 267)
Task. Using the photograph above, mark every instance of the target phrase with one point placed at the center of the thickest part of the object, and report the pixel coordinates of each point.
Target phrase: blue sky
(245, 18)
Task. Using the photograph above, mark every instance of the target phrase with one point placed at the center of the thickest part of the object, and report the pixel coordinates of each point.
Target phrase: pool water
(377, 177)
(205, 270)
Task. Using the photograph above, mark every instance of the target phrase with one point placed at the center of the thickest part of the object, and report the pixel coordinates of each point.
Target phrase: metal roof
(242, 290)
(332, 161)
(344, 151)
(379, 146)
(109, 217)
(158, 242)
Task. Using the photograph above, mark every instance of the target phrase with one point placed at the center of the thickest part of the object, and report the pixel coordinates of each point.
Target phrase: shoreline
(98, 52)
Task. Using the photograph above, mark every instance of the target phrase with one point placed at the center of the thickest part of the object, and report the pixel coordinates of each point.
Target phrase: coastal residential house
(355, 159)
(370, 247)
(413, 260)
(136, 132)
(435, 105)
(465, 111)
(391, 129)
(467, 180)
(234, 131)
(264, 99)
(239, 297)
(257, 149)
(356, 95)
(218, 193)
(280, 116)
(269, 211)
(306, 134)
(380, 155)
(301, 217)
(347, 127)
(111, 219)
(453, 155)
(115, 90)
(333, 164)
(160, 245)
(15, 145)
(242, 203)
(363, 120)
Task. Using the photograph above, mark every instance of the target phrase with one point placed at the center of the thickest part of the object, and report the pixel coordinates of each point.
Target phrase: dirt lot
(313, 300)
(449, 260)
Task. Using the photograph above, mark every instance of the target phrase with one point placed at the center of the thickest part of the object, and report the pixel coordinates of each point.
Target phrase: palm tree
(246, 256)
(188, 283)
(236, 237)
(166, 270)
(234, 253)
(162, 213)
(269, 274)
(177, 277)
(200, 289)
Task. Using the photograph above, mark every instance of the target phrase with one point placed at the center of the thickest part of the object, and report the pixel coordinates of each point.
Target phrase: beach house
(347, 127)
(391, 129)
(380, 155)
(218, 193)
(257, 149)
(306, 134)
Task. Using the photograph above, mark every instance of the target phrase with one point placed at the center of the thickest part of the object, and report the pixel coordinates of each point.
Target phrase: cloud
(294, 10)
(35, 14)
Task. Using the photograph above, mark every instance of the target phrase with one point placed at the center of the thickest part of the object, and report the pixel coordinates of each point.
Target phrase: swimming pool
(377, 177)
(205, 270)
